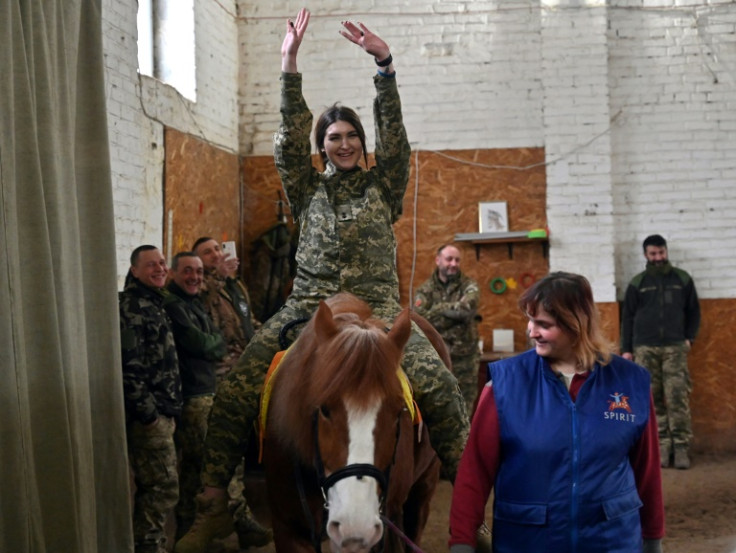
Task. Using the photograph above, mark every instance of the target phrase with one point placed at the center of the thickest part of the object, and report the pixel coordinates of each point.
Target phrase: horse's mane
(353, 359)
(358, 363)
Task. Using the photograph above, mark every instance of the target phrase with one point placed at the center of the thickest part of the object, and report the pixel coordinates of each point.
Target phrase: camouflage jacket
(228, 305)
(199, 345)
(151, 383)
(346, 238)
(451, 308)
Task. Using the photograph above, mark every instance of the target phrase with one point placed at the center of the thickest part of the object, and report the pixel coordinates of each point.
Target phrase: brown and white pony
(341, 448)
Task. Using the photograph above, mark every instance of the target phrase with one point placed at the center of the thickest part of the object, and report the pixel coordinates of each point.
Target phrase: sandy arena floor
(700, 508)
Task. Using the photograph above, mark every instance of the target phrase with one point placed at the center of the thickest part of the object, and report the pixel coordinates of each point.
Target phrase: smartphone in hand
(229, 249)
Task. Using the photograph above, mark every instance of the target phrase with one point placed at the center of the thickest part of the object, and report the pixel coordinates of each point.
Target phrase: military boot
(682, 460)
(213, 520)
(249, 530)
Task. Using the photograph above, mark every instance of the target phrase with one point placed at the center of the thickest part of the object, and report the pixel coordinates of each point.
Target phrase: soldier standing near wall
(227, 302)
(152, 393)
(199, 345)
(449, 300)
(660, 319)
(226, 299)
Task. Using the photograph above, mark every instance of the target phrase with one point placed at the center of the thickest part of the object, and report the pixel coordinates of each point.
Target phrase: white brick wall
(672, 77)
(468, 71)
(138, 110)
(576, 118)
(633, 100)
(136, 142)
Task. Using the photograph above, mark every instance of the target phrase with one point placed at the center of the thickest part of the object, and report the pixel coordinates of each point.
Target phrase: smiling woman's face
(342, 145)
(550, 340)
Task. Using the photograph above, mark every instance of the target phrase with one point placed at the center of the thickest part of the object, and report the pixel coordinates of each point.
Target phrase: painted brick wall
(136, 146)
(468, 71)
(576, 118)
(140, 107)
(673, 81)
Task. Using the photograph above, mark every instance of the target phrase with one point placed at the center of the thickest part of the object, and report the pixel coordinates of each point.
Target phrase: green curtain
(63, 459)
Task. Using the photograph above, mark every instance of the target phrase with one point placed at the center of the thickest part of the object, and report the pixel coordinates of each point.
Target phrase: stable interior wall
(447, 192)
(205, 187)
(599, 112)
(201, 193)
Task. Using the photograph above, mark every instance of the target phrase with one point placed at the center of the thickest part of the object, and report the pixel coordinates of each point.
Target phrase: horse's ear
(401, 330)
(324, 323)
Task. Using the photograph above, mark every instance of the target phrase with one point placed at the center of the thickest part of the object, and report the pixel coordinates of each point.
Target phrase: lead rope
(314, 534)
(414, 547)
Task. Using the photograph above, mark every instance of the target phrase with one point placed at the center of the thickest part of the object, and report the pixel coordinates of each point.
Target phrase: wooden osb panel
(201, 192)
(261, 195)
(610, 321)
(713, 401)
(448, 194)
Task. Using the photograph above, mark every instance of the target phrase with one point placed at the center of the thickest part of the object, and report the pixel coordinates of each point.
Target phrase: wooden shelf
(508, 238)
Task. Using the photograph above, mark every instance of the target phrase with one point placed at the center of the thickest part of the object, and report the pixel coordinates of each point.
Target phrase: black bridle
(358, 470)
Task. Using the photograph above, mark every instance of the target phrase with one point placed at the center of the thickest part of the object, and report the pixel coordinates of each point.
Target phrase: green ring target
(498, 285)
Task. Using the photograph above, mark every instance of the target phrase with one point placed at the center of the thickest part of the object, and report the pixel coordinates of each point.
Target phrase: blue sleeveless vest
(565, 484)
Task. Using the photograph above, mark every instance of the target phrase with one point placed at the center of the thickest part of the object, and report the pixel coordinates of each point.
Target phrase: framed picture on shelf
(492, 217)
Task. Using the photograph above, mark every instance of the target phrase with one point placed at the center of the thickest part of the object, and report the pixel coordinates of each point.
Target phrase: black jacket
(199, 344)
(660, 308)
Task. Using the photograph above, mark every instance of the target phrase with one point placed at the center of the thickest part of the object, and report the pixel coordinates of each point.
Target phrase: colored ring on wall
(527, 279)
(498, 285)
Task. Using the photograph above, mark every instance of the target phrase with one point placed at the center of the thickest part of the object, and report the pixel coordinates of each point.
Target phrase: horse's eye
(324, 411)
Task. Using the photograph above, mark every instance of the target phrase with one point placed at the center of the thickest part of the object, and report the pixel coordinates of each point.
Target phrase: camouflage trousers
(465, 369)
(189, 438)
(671, 387)
(152, 456)
(236, 403)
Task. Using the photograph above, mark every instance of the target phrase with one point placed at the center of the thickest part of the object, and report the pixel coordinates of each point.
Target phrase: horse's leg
(291, 526)
(426, 477)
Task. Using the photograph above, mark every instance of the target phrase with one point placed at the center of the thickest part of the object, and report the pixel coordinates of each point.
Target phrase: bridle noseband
(358, 470)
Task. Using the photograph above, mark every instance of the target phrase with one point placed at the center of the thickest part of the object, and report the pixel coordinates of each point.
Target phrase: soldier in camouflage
(449, 300)
(152, 393)
(227, 302)
(347, 244)
(226, 299)
(198, 346)
(659, 321)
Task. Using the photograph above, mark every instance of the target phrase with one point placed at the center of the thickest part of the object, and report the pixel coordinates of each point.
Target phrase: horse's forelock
(372, 359)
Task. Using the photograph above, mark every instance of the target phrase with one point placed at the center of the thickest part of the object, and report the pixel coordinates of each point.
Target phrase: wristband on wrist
(386, 62)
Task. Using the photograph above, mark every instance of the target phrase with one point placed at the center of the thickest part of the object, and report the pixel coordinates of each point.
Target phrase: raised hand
(360, 34)
(227, 266)
(294, 34)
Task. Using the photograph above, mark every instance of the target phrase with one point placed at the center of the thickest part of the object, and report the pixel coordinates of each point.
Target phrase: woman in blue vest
(566, 436)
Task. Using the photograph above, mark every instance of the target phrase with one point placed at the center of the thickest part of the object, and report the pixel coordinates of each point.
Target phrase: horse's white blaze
(354, 523)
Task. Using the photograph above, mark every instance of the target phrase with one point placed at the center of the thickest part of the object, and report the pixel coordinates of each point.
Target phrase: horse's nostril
(333, 529)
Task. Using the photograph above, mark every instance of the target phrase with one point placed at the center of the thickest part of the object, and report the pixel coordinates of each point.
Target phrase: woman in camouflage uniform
(346, 244)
